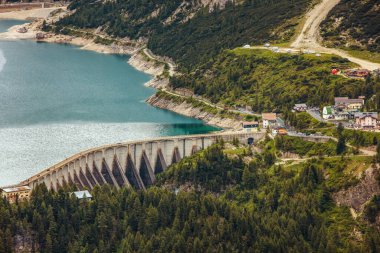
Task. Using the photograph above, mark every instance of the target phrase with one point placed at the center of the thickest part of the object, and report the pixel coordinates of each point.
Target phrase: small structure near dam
(133, 164)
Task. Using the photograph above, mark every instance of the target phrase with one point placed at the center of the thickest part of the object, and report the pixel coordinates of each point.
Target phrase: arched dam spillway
(131, 164)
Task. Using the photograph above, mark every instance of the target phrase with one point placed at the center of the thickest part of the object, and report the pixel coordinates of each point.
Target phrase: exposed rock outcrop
(158, 83)
(357, 196)
(143, 63)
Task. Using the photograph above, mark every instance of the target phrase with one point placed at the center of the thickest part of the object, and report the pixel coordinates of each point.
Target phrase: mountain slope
(188, 31)
(269, 81)
(353, 24)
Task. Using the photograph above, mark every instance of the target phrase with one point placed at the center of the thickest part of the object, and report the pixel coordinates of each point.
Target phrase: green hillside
(272, 81)
(185, 30)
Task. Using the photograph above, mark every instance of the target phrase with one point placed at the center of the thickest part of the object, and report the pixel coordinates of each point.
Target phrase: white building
(300, 107)
(366, 119)
(82, 195)
(269, 119)
(327, 112)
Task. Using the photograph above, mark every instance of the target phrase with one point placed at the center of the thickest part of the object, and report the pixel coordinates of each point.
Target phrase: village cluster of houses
(22, 193)
(347, 109)
(269, 121)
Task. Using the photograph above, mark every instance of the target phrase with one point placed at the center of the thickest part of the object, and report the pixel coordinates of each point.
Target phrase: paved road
(316, 114)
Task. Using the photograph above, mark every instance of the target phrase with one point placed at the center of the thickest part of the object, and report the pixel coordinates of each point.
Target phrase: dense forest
(186, 30)
(355, 24)
(215, 201)
(269, 81)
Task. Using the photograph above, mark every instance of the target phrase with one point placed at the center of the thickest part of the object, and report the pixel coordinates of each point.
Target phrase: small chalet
(19, 193)
(347, 104)
(269, 119)
(279, 131)
(250, 126)
(83, 195)
(300, 107)
(366, 119)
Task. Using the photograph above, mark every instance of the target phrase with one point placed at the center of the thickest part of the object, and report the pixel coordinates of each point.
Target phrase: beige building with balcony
(13, 193)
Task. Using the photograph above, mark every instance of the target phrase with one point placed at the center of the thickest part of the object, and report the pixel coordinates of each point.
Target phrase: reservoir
(57, 100)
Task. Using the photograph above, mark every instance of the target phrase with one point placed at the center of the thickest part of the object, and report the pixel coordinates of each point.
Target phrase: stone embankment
(187, 109)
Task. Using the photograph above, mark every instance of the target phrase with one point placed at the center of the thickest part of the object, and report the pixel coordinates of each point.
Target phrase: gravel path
(310, 38)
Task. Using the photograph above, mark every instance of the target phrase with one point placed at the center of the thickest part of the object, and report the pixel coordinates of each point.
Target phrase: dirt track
(26, 14)
(309, 38)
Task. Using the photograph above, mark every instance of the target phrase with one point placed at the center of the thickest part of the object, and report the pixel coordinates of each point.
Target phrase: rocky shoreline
(187, 109)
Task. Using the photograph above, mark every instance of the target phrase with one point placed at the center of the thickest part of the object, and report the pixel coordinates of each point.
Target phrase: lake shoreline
(140, 58)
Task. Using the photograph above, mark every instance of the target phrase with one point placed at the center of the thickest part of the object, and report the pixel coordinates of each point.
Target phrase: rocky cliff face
(187, 109)
(357, 196)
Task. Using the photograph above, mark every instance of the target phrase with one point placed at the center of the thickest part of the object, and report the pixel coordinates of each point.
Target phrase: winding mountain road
(310, 38)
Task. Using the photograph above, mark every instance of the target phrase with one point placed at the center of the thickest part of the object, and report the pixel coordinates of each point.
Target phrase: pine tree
(378, 152)
(341, 145)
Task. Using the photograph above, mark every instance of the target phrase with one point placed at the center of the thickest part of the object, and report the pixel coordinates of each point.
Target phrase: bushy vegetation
(356, 23)
(255, 208)
(344, 172)
(305, 148)
(211, 170)
(269, 81)
(304, 121)
(188, 41)
(361, 138)
(372, 209)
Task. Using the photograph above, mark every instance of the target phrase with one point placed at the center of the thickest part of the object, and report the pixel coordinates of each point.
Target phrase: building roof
(366, 114)
(346, 100)
(300, 105)
(16, 189)
(269, 116)
(328, 110)
(82, 194)
(245, 123)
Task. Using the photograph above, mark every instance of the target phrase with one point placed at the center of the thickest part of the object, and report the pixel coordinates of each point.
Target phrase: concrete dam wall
(132, 164)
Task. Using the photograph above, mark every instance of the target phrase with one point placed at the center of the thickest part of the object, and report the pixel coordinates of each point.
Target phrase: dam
(131, 164)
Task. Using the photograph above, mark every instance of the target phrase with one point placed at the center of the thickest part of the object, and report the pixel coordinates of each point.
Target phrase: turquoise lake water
(57, 100)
